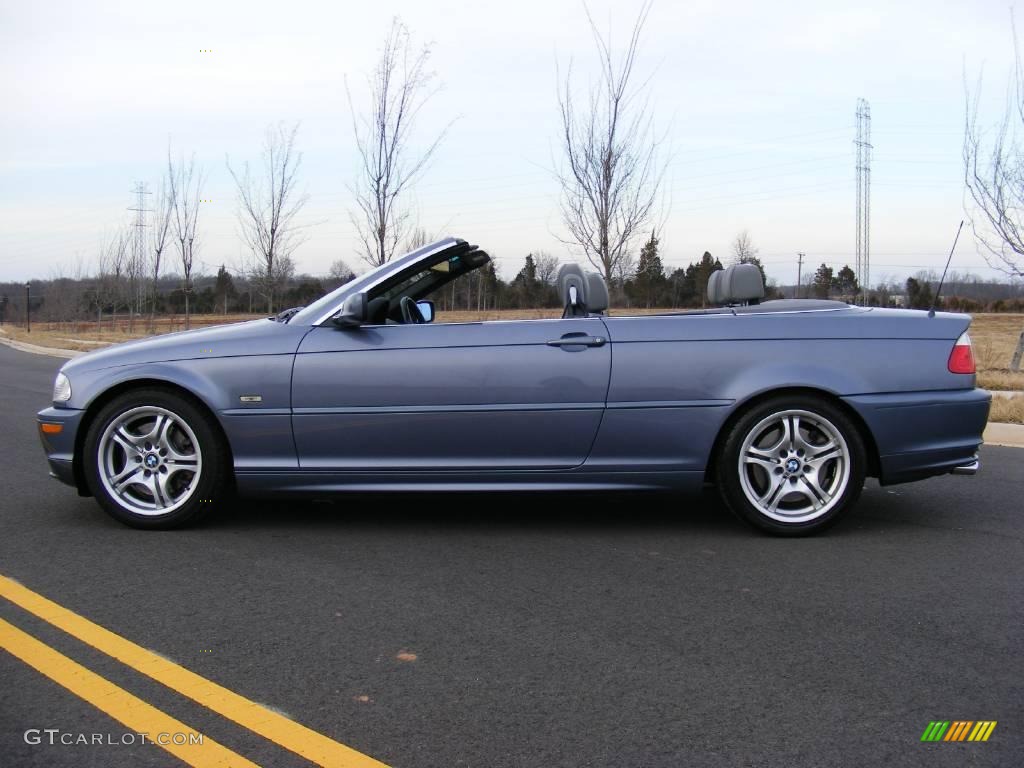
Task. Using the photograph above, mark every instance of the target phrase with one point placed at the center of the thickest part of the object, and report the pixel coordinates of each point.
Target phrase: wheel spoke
(161, 493)
(161, 431)
(796, 440)
(774, 493)
(128, 476)
(811, 492)
(823, 453)
(761, 458)
(126, 440)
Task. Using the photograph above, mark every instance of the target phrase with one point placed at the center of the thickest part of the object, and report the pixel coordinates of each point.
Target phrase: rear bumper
(60, 446)
(921, 434)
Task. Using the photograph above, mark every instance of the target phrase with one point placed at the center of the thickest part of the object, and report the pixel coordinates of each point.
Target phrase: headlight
(61, 389)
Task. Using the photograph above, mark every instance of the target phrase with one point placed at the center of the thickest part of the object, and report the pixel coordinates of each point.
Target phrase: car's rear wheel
(792, 465)
(153, 459)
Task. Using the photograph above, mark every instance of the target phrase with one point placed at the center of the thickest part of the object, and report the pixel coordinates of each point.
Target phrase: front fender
(259, 432)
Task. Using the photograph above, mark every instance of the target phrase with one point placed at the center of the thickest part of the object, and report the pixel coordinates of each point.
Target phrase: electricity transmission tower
(863, 143)
(139, 236)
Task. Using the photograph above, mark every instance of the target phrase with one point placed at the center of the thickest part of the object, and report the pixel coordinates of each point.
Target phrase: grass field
(1009, 410)
(994, 336)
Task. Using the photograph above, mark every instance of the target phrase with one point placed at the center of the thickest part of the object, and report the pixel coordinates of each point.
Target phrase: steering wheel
(410, 312)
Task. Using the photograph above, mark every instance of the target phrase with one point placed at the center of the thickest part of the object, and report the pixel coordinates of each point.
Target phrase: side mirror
(353, 312)
(426, 309)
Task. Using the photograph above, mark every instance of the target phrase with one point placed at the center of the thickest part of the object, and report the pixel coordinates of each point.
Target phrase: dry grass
(995, 337)
(1007, 409)
(84, 336)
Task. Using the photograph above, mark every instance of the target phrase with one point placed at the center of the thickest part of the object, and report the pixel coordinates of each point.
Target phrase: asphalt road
(598, 631)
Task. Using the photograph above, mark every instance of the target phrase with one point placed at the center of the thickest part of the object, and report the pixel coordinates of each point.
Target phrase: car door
(462, 396)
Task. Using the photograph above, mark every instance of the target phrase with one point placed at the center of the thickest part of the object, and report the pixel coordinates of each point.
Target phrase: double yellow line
(142, 717)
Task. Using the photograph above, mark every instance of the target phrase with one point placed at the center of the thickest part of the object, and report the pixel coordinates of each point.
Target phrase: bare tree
(185, 183)
(743, 249)
(994, 174)
(339, 273)
(135, 269)
(400, 86)
(110, 263)
(611, 174)
(418, 237)
(159, 235)
(547, 267)
(267, 209)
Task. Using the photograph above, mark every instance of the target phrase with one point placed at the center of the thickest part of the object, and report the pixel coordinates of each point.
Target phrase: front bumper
(921, 434)
(59, 444)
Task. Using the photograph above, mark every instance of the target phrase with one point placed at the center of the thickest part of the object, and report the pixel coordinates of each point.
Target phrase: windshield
(313, 313)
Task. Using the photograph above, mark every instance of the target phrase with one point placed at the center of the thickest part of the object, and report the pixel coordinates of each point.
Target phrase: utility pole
(28, 316)
(799, 271)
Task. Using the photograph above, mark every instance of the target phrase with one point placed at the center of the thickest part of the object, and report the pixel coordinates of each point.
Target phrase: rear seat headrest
(742, 283)
(714, 287)
(597, 293)
(572, 287)
(738, 284)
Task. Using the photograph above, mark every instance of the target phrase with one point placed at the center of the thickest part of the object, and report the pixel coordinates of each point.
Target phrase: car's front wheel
(792, 465)
(153, 459)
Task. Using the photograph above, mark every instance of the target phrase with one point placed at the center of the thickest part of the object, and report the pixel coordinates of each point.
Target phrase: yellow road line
(289, 734)
(117, 702)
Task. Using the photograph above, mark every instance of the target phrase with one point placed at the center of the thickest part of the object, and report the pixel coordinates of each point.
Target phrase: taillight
(961, 359)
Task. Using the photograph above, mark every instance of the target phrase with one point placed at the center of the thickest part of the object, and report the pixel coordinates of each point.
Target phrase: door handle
(577, 341)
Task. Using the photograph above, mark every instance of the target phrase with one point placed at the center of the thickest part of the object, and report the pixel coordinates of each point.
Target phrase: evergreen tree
(702, 273)
(846, 281)
(919, 294)
(223, 289)
(823, 280)
(649, 282)
(526, 285)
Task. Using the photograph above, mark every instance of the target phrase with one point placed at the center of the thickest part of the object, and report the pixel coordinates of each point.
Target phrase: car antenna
(935, 301)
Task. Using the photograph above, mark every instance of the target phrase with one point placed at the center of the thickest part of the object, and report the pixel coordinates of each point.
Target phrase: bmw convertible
(784, 406)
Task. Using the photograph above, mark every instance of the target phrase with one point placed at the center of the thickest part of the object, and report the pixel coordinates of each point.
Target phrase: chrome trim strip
(483, 408)
(670, 404)
(729, 312)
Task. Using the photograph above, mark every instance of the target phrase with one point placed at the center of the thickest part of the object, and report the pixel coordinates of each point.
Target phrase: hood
(253, 337)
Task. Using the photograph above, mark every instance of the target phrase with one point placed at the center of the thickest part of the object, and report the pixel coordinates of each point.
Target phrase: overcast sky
(757, 100)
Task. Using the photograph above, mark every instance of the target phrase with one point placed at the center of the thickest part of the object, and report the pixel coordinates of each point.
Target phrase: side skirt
(322, 483)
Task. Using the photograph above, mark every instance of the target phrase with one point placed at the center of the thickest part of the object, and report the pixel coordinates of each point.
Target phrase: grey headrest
(597, 293)
(715, 295)
(572, 287)
(742, 283)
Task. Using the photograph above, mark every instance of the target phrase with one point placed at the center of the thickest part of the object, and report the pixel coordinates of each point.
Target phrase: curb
(1006, 435)
(35, 349)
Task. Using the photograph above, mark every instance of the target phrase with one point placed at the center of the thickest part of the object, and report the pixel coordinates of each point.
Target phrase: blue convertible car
(786, 406)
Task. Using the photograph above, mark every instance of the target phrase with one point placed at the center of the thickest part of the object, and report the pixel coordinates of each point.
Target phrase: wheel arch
(870, 447)
(100, 400)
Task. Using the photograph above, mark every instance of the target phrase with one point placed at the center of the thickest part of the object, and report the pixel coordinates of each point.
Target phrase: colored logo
(958, 730)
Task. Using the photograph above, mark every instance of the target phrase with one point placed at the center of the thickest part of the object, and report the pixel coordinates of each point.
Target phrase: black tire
(791, 476)
(202, 489)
